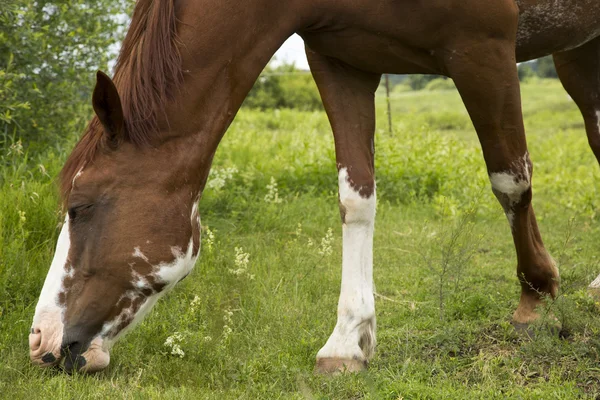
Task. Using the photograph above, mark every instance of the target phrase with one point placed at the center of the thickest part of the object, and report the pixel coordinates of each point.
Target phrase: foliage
(45, 80)
(442, 248)
(525, 72)
(418, 81)
(440, 84)
(401, 88)
(284, 86)
(544, 68)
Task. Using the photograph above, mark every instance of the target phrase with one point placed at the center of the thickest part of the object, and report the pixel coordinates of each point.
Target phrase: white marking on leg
(48, 326)
(512, 184)
(353, 337)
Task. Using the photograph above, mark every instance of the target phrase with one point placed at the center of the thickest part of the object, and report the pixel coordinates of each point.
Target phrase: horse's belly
(373, 52)
(549, 26)
(401, 36)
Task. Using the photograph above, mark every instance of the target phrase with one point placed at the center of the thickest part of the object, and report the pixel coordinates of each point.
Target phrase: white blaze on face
(513, 185)
(47, 329)
(169, 273)
(356, 306)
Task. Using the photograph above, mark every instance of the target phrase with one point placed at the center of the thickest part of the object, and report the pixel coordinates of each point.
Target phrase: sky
(292, 51)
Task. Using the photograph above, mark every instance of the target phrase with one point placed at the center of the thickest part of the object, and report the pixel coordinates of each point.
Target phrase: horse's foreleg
(348, 96)
(579, 72)
(485, 74)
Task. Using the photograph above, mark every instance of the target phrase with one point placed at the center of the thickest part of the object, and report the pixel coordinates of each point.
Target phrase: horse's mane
(147, 72)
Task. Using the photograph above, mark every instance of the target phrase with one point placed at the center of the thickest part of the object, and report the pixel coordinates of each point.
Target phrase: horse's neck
(224, 48)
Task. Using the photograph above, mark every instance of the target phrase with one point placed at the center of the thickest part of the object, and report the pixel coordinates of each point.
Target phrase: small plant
(173, 342)
(209, 239)
(219, 177)
(325, 248)
(452, 251)
(227, 326)
(272, 195)
(242, 262)
(15, 149)
(194, 304)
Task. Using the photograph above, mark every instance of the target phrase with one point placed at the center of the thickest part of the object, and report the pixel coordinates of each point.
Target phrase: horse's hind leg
(484, 70)
(348, 96)
(579, 72)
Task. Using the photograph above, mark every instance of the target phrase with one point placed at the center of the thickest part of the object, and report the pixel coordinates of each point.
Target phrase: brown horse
(132, 183)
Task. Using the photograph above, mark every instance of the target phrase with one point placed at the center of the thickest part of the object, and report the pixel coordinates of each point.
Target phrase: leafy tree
(545, 68)
(525, 71)
(49, 50)
(284, 86)
(418, 81)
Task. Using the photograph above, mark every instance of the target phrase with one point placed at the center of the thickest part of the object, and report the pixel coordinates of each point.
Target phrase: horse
(131, 186)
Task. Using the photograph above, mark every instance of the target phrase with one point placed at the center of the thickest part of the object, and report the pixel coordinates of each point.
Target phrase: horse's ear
(107, 106)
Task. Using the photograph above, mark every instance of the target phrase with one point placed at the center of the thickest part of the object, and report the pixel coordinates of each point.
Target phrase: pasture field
(262, 299)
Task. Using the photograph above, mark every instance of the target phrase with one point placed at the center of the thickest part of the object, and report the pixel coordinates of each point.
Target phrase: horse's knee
(356, 197)
(512, 186)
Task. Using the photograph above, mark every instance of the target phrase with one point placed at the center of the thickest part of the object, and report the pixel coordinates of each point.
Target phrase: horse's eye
(77, 211)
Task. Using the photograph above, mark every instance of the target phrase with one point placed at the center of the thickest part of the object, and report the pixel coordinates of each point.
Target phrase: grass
(444, 267)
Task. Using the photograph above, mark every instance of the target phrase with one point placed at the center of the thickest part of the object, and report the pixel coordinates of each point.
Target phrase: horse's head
(131, 233)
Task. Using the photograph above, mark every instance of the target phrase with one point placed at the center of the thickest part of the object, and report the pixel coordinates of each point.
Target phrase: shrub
(440, 84)
(49, 52)
(284, 86)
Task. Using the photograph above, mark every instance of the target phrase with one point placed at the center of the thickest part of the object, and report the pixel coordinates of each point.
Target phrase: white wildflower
(16, 148)
(173, 342)
(310, 242)
(177, 351)
(22, 217)
(194, 304)
(325, 248)
(228, 319)
(210, 239)
(219, 177)
(242, 262)
(43, 170)
(272, 195)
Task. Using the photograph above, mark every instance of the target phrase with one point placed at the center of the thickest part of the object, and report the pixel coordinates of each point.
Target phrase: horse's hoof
(334, 366)
(524, 330)
(529, 330)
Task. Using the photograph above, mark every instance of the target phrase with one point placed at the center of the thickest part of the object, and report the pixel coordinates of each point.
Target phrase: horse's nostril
(49, 358)
(35, 339)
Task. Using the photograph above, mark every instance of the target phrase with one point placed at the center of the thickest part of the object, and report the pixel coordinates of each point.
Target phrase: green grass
(443, 333)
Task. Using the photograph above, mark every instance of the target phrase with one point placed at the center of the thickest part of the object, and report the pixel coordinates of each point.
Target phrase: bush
(418, 82)
(440, 84)
(545, 68)
(525, 72)
(284, 86)
(401, 88)
(49, 52)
